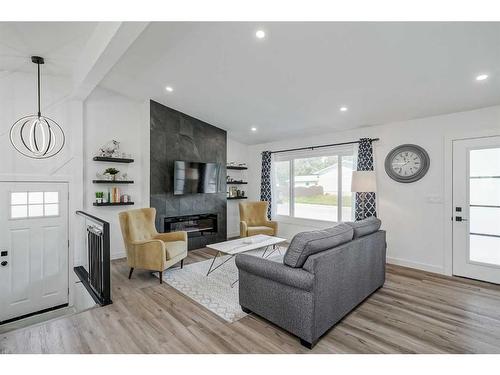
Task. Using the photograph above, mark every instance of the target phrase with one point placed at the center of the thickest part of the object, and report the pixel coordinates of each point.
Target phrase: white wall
(18, 99)
(109, 116)
(236, 152)
(412, 214)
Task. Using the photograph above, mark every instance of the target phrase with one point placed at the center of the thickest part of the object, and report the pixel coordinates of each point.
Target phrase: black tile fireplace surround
(177, 136)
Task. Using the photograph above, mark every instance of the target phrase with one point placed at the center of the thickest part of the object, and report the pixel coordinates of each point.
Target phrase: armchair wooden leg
(161, 277)
(182, 263)
(130, 273)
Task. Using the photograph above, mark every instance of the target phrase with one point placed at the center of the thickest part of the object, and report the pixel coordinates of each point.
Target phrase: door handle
(4, 263)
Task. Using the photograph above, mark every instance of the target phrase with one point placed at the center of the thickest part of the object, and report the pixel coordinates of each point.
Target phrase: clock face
(407, 163)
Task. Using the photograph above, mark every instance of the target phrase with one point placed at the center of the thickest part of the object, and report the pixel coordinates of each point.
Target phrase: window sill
(305, 222)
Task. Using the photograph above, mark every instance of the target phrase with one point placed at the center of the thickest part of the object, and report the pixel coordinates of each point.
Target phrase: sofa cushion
(252, 231)
(364, 227)
(308, 243)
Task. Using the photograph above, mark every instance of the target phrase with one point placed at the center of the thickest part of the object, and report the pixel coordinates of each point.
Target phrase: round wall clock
(407, 163)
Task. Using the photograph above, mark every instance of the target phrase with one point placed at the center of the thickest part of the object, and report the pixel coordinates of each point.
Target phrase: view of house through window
(321, 188)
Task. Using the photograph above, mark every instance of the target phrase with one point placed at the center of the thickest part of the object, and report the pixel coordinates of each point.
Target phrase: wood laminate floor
(415, 312)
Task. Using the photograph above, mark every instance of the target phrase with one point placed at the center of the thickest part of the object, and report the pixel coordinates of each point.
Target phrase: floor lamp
(363, 182)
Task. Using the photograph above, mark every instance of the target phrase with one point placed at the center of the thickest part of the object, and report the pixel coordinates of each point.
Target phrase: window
(314, 185)
(33, 204)
(484, 214)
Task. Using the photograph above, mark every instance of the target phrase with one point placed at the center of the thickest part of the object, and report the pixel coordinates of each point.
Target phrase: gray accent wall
(177, 136)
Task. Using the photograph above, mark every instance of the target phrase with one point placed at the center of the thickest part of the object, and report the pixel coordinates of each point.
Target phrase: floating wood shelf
(236, 167)
(112, 160)
(113, 204)
(112, 181)
(237, 183)
(236, 197)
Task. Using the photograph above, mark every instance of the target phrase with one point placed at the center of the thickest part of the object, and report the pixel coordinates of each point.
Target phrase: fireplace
(201, 225)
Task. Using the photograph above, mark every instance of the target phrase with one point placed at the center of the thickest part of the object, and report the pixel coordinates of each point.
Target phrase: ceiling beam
(108, 43)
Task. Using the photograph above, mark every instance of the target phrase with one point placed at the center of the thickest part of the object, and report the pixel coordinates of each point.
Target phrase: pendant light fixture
(37, 136)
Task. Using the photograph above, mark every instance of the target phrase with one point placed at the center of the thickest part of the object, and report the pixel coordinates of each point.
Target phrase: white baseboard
(390, 260)
(417, 265)
(118, 255)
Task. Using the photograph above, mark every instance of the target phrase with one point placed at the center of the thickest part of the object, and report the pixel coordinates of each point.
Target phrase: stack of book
(115, 195)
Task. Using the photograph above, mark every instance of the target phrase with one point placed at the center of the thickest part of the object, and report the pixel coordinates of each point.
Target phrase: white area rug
(213, 291)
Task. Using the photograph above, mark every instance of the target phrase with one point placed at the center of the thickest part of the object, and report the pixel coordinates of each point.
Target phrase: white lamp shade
(363, 182)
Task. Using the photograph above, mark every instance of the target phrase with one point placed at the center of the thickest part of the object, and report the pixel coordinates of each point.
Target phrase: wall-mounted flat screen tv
(192, 177)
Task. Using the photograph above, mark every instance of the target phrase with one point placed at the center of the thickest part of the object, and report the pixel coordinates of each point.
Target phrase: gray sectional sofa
(322, 277)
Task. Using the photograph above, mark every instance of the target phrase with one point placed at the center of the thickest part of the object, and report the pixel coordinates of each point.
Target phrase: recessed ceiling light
(343, 109)
(482, 77)
(169, 89)
(261, 34)
(253, 128)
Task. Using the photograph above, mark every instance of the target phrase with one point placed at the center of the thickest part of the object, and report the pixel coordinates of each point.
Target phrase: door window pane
(51, 197)
(35, 197)
(35, 210)
(485, 220)
(19, 198)
(485, 191)
(19, 212)
(34, 204)
(484, 249)
(485, 162)
(316, 188)
(347, 201)
(282, 187)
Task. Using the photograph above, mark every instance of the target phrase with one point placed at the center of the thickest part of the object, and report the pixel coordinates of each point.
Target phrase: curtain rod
(330, 145)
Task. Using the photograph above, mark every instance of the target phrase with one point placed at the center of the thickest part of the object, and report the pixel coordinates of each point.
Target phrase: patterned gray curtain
(365, 163)
(265, 181)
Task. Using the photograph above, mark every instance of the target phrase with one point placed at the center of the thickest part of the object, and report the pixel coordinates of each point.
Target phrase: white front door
(476, 208)
(33, 247)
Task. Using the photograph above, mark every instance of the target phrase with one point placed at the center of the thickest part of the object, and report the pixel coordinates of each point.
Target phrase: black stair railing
(97, 276)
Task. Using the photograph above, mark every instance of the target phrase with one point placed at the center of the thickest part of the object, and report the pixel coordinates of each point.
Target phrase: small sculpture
(111, 149)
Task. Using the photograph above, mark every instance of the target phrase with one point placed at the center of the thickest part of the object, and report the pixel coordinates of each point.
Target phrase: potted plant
(112, 172)
(99, 195)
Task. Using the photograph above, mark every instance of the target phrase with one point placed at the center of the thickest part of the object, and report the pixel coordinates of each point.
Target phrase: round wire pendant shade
(37, 137)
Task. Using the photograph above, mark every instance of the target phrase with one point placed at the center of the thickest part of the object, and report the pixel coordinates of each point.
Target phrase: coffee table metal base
(266, 249)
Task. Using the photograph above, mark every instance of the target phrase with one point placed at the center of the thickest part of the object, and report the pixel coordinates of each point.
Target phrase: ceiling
(60, 43)
(291, 83)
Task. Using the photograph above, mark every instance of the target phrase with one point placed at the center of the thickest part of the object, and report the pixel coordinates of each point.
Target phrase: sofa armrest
(294, 277)
(149, 254)
(243, 229)
(274, 225)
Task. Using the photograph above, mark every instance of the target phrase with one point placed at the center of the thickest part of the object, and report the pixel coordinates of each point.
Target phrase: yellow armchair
(253, 220)
(148, 249)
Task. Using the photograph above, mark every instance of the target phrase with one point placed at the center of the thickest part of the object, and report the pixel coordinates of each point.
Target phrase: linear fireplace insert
(195, 225)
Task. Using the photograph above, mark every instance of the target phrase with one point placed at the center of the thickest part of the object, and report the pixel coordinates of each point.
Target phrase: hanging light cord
(39, 112)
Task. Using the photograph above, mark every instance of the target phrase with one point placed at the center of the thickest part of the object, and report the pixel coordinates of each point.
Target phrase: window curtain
(365, 163)
(265, 181)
